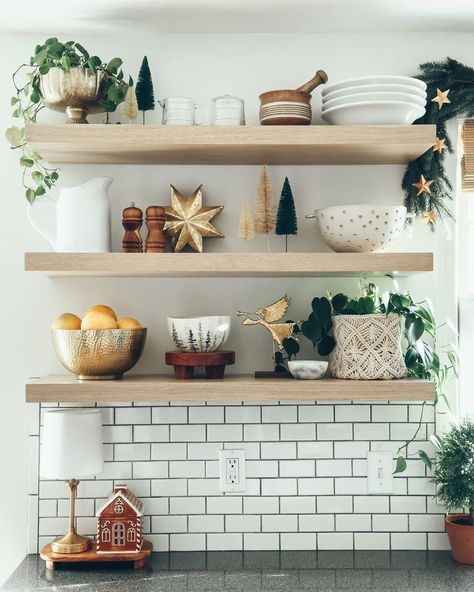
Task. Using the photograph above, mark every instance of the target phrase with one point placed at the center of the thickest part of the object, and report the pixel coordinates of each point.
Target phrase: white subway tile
(334, 504)
(53, 526)
(408, 541)
(350, 485)
(211, 523)
(168, 487)
(160, 542)
(262, 468)
(206, 415)
(400, 486)
(84, 507)
(47, 508)
(334, 431)
(390, 522)
(87, 525)
(438, 541)
(404, 504)
(389, 413)
(116, 433)
(252, 449)
(188, 433)
(278, 486)
(132, 451)
(91, 488)
(187, 468)
(405, 431)
(140, 487)
(168, 451)
(117, 470)
(371, 431)
(242, 414)
(426, 522)
(278, 450)
(420, 486)
(372, 541)
(335, 541)
(279, 523)
(298, 541)
(187, 505)
(315, 486)
(316, 523)
(242, 523)
(433, 506)
(261, 542)
(212, 468)
(298, 431)
(297, 468)
(351, 449)
(315, 449)
(203, 487)
(316, 414)
(151, 433)
(370, 504)
(133, 415)
(169, 415)
(260, 432)
(261, 505)
(352, 413)
(32, 523)
(414, 413)
(279, 414)
(224, 505)
(224, 542)
(204, 451)
(353, 522)
(224, 433)
(150, 470)
(187, 542)
(359, 467)
(168, 524)
(298, 504)
(333, 468)
(155, 505)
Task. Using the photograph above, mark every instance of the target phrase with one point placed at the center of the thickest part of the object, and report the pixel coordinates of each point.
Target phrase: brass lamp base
(71, 543)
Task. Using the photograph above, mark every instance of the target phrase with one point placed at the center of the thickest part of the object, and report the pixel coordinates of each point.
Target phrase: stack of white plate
(374, 100)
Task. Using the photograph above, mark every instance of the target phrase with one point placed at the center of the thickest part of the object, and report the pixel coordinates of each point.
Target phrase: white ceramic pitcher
(82, 217)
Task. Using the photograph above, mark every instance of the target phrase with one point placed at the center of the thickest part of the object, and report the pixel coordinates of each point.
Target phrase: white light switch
(379, 472)
(232, 470)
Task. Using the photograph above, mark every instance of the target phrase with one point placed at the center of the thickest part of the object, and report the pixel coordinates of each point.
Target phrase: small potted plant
(454, 476)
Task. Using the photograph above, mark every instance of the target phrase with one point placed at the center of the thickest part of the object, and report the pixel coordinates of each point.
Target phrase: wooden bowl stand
(185, 362)
(91, 556)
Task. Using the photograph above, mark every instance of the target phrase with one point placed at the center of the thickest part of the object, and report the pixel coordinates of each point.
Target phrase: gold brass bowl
(76, 91)
(99, 355)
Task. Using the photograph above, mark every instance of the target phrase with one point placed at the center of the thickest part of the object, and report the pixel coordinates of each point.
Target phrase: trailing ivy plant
(423, 357)
(37, 178)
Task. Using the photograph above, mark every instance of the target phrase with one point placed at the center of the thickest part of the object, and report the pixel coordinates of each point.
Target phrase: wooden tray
(213, 362)
(90, 556)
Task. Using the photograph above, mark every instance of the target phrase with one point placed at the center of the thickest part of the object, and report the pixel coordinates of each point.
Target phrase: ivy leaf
(425, 458)
(452, 357)
(366, 305)
(30, 195)
(82, 51)
(400, 465)
(37, 177)
(326, 345)
(114, 65)
(35, 96)
(322, 311)
(292, 347)
(14, 100)
(26, 162)
(13, 135)
(40, 190)
(415, 330)
(338, 302)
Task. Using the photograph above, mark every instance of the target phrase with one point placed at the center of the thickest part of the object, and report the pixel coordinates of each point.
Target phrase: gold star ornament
(441, 97)
(423, 186)
(187, 221)
(439, 145)
(430, 217)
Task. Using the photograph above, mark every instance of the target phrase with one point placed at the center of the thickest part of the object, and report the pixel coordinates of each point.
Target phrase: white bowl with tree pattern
(199, 334)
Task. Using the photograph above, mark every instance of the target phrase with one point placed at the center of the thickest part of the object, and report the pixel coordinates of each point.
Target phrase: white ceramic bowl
(307, 369)
(198, 334)
(360, 228)
(374, 113)
(372, 96)
(377, 79)
(375, 88)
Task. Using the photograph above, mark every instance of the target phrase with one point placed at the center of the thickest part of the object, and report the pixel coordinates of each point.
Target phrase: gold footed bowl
(99, 355)
(77, 92)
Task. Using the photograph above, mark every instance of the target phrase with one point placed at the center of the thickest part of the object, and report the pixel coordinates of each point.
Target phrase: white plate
(370, 88)
(380, 96)
(383, 79)
(374, 113)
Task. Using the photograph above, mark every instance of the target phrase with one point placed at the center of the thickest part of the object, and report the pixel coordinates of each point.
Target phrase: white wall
(203, 67)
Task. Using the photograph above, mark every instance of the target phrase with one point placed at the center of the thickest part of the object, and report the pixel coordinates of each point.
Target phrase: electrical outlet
(232, 470)
(379, 472)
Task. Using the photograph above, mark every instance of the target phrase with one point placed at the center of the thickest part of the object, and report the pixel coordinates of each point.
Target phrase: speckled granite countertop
(269, 571)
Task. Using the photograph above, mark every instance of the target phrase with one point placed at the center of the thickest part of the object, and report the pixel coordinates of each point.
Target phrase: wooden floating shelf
(161, 144)
(63, 389)
(226, 264)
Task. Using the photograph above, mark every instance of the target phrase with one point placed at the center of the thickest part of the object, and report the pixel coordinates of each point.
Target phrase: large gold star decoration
(439, 145)
(430, 217)
(187, 221)
(441, 97)
(423, 186)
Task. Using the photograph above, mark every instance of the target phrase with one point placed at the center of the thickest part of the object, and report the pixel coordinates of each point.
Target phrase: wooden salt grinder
(155, 221)
(132, 220)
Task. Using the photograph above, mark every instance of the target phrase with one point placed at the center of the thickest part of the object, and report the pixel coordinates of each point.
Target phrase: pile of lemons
(96, 318)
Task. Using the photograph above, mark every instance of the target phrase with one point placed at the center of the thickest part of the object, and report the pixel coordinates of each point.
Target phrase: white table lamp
(71, 448)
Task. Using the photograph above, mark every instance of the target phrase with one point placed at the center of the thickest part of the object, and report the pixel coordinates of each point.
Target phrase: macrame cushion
(368, 347)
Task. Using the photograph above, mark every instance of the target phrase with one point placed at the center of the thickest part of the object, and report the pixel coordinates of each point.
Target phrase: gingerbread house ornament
(119, 523)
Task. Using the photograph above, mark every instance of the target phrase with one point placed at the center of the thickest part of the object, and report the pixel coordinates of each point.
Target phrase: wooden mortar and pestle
(290, 107)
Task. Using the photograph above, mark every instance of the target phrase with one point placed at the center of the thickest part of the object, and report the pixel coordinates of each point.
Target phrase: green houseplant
(454, 476)
(62, 76)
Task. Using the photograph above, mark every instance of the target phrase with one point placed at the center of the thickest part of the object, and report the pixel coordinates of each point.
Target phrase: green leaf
(278, 358)
(40, 190)
(452, 357)
(366, 305)
(108, 106)
(400, 465)
(322, 311)
(35, 96)
(13, 135)
(82, 51)
(326, 345)
(14, 100)
(44, 68)
(425, 458)
(130, 81)
(65, 62)
(54, 176)
(26, 162)
(113, 94)
(30, 195)
(338, 302)
(292, 347)
(415, 330)
(37, 177)
(114, 65)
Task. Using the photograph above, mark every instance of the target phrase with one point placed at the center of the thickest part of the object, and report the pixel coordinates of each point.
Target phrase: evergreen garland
(451, 75)
(144, 89)
(286, 222)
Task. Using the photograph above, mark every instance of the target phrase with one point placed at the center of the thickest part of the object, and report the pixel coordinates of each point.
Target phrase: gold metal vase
(77, 91)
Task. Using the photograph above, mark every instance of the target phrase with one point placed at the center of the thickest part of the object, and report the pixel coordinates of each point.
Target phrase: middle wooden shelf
(227, 264)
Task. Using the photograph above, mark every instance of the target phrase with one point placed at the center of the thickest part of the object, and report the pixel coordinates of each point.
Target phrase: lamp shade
(72, 444)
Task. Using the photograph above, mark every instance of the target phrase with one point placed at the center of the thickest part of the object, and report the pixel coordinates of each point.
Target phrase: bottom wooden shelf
(164, 387)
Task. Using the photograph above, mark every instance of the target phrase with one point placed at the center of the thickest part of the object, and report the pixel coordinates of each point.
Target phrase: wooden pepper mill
(132, 220)
(155, 221)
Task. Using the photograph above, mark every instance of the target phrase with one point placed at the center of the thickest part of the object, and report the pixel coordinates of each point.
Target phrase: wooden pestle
(319, 78)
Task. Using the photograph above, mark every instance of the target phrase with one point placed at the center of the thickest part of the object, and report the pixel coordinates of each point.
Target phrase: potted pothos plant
(454, 476)
(63, 77)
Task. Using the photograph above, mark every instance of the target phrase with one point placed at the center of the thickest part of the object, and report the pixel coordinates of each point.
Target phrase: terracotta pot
(461, 539)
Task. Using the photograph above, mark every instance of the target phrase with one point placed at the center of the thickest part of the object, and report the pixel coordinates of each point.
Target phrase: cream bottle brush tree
(246, 226)
(130, 105)
(265, 207)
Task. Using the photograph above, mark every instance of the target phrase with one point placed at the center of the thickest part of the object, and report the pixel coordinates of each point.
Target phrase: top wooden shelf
(161, 144)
